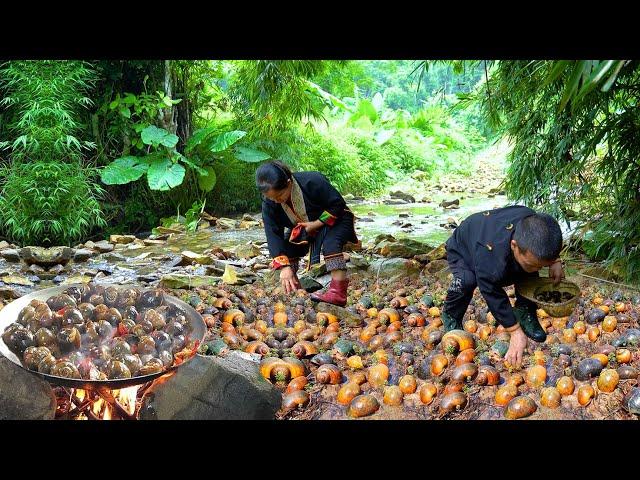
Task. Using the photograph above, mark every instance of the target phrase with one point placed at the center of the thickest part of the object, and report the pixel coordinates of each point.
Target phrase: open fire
(99, 404)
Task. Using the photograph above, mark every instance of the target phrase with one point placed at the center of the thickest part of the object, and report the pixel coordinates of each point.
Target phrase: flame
(127, 398)
(80, 394)
(107, 412)
(96, 408)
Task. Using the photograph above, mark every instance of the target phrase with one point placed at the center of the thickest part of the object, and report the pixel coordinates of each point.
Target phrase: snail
(324, 318)
(427, 392)
(457, 340)
(117, 370)
(565, 386)
(34, 355)
(328, 374)
(593, 333)
(453, 386)
(588, 368)
(550, 397)
(296, 399)
(465, 356)
(416, 320)
(348, 392)
(465, 372)
(321, 359)
(453, 402)
(388, 315)
(627, 372)
(631, 401)
(505, 394)
(399, 302)
(258, 347)
(520, 407)
(487, 375)
(355, 362)
(392, 395)
(439, 363)
(609, 323)
(378, 375)
(585, 394)
(363, 405)
(296, 384)
(407, 384)
(222, 303)
(536, 376)
(608, 380)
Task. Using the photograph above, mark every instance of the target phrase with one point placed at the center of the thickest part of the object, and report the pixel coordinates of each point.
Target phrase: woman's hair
(272, 175)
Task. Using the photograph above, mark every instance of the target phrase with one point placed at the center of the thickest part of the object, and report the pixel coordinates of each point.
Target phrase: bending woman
(317, 218)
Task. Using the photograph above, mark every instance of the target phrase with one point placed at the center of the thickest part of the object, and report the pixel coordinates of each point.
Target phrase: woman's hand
(311, 227)
(289, 280)
(556, 272)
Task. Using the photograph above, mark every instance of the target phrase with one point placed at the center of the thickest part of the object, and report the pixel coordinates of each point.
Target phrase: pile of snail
(95, 332)
(400, 356)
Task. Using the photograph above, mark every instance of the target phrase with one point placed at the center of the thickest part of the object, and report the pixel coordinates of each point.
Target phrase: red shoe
(336, 294)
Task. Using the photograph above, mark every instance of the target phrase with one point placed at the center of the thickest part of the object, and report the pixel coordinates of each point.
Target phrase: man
(495, 249)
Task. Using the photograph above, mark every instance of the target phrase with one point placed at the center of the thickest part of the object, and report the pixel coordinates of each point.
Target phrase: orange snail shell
(453, 402)
(222, 303)
(394, 327)
(487, 375)
(363, 405)
(427, 392)
(296, 384)
(536, 376)
(585, 394)
(608, 380)
(416, 320)
(280, 319)
(296, 399)
(407, 384)
(258, 347)
(296, 367)
(389, 315)
(332, 327)
(393, 395)
(452, 387)
(234, 317)
(328, 374)
(376, 342)
(520, 407)
(381, 356)
(378, 374)
(268, 365)
(465, 356)
(307, 335)
(550, 397)
(348, 392)
(438, 364)
(358, 377)
(565, 385)
(399, 302)
(326, 318)
(261, 326)
(505, 394)
(304, 349)
(465, 372)
(299, 326)
(459, 339)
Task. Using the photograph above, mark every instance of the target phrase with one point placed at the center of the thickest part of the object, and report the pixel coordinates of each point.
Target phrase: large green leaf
(155, 136)
(225, 140)
(383, 136)
(365, 109)
(206, 183)
(251, 155)
(123, 170)
(327, 97)
(164, 174)
(612, 78)
(198, 136)
(572, 85)
(377, 102)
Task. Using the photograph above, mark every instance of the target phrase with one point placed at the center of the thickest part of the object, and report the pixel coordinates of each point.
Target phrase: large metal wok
(10, 312)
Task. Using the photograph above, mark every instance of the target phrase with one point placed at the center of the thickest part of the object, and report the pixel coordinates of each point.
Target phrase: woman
(318, 217)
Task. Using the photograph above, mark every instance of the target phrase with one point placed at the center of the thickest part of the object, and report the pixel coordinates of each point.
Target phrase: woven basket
(530, 288)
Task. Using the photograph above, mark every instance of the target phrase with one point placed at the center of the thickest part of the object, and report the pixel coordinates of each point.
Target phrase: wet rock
(259, 266)
(365, 219)
(75, 279)
(28, 398)
(247, 250)
(309, 284)
(404, 248)
(226, 223)
(403, 196)
(358, 260)
(203, 225)
(122, 239)
(10, 255)
(46, 256)
(56, 269)
(436, 266)
(213, 388)
(82, 254)
(395, 201)
(450, 203)
(17, 280)
(103, 246)
(9, 292)
(394, 268)
(344, 315)
(151, 241)
(175, 280)
(36, 269)
(189, 257)
(169, 230)
(114, 257)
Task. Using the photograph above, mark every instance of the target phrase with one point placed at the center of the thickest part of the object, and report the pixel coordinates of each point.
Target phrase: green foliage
(48, 195)
(578, 162)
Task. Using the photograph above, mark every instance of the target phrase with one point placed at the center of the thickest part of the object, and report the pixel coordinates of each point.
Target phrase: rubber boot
(530, 325)
(336, 294)
(450, 323)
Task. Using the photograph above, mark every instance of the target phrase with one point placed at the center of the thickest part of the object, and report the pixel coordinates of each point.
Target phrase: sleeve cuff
(279, 262)
(327, 218)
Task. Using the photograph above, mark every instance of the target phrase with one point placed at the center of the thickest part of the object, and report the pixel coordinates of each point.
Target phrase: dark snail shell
(72, 317)
(87, 310)
(18, 339)
(68, 339)
(133, 362)
(127, 297)
(45, 338)
(121, 347)
(304, 349)
(453, 402)
(173, 328)
(288, 342)
(26, 314)
(258, 347)
(117, 370)
(44, 316)
(146, 345)
(150, 299)
(363, 405)
(321, 359)
(588, 368)
(273, 343)
(111, 296)
(465, 372)
(96, 299)
(156, 319)
(46, 364)
(165, 357)
(60, 301)
(75, 293)
(595, 316)
(520, 407)
(100, 355)
(627, 372)
(631, 401)
(329, 374)
(34, 355)
(65, 369)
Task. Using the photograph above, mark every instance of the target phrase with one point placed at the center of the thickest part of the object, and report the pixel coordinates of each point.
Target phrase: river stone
(151, 241)
(213, 388)
(4, 244)
(77, 279)
(247, 224)
(10, 255)
(226, 223)
(350, 319)
(103, 246)
(82, 254)
(449, 204)
(309, 284)
(169, 229)
(247, 250)
(403, 247)
(395, 201)
(24, 395)
(9, 292)
(17, 280)
(176, 280)
(122, 239)
(394, 268)
(189, 257)
(403, 196)
(46, 256)
(358, 260)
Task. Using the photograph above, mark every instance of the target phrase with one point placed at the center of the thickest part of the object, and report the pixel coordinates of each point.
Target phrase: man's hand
(556, 272)
(517, 345)
(311, 227)
(289, 280)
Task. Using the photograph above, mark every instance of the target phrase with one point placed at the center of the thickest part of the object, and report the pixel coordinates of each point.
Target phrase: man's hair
(539, 234)
(272, 175)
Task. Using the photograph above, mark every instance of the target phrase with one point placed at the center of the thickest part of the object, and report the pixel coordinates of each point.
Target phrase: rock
(358, 260)
(403, 196)
(213, 388)
(4, 245)
(122, 239)
(203, 225)
(189, 257)
(35, 268)
(309, 284)
(10, 255)
(76, 279)
(404, 248)
(318, 270)
(46, 256)
(176, 280)
(348, 197)
(149, 241)
(404, 215)
(247, 224)
(247, 250)
(436, 266)
(169, 230)
(259, 266)
(248, 217)
(17, 280)
(149, 278)
(226, 223)
(9, 292)
(82, 254)
(394, 268)
(114, 257)
(365, 219)
(350, 319)
(103, 246)
(449, 204)
(208, 217)
(28, 398)
(89, 244)
(56, 269)
(437, 253)
(394, 201)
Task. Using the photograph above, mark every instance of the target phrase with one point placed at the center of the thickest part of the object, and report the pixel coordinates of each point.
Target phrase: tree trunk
(168, 116)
